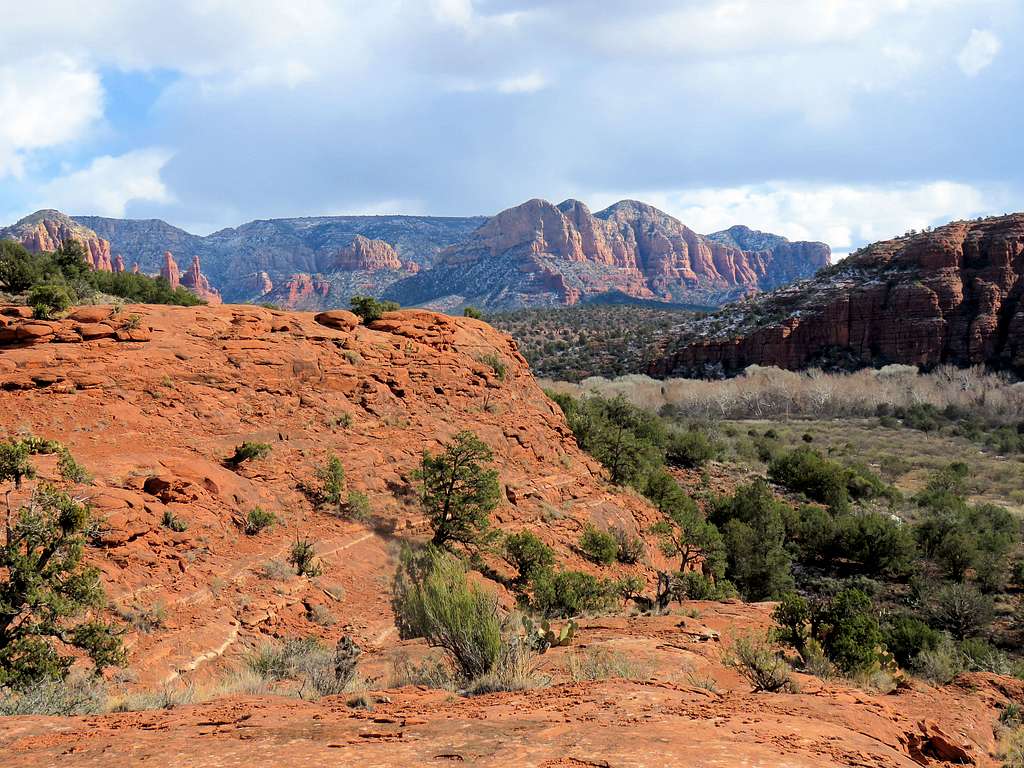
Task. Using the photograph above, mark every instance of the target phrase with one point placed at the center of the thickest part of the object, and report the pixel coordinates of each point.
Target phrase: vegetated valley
(229, 522)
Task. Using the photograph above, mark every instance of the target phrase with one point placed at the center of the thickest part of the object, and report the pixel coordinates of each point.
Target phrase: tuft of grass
(173, 522)
(604, 664)
(248, 451)
(496, 363)
(258, 520)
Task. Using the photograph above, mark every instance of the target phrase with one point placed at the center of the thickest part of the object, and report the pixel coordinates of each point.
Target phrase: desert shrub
(71, 471)
(564, 594)
(302, 557)
(939, 665)
(432, 599)
(331, 479)
(960, 609)
(357, 505)
(145, 618)
(906, 637)
(628, 549)
(691, 448)
(473, 312)
(816, 534)
(879, 543)
(20, 269)
(496, 363)
(248, 451)
(598, 546)
(603, 664)
(458, 491)
(47, 301)
(258, 520)
(754, 534)
(275, 570)
(369, 309)
(172, 522)
(694, 585)
(75, 695)
(982, 656)
(844, 626)
(806, 471)
(323, 672)
(758, 664)
(528, 555)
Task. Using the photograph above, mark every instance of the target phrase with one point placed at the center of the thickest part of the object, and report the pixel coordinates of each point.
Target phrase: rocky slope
(952, 295)
(539, 254)
(152, 399)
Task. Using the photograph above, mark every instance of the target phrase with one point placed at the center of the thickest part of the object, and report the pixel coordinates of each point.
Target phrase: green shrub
(473, 312)
(432, 599)
(369, 309)
(258, 520)
(845, 627)
(629, 549)
(598, 546)
(173, 522)
(331, 477)
(248, 451)
(357, 504)
(528, 555)
(496, 363)
(694, 585)
(906, 637)
(880, 544)
(939, 665)
(75, 695)
(303, 558)
(754, 535)
(71, 471)
(692, 449)
(960, 609)
(565, 594)
(326, 672)
(806, 471)
(48, 301)
(758, 664)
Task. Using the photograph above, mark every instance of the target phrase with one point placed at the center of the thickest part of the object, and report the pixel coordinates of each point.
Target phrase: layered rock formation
(539, 254)
(47, 230)
(368, 255)
(193, 278)
(953, 295)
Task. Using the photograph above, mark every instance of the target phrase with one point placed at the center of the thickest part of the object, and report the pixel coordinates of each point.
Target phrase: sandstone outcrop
(368, 255)
(47, 230)
(169, 270)
(196, 281)
(952, 295)
(541, 254)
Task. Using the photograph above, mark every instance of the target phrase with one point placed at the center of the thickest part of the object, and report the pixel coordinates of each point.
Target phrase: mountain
(308, 263)
(952, 295)
(535, 254)
(47, 230)
(540, 254)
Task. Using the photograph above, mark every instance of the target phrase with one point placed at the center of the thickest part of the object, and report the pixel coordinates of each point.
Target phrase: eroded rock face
(169, 270)
(47, 230)
(368, 255)
(952, 295)
(196, 281)
(541, 254)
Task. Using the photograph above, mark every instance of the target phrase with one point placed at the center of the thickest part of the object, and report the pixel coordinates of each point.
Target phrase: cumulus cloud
(109, 184)
(841, 215)
(45, 102)
(979, 52)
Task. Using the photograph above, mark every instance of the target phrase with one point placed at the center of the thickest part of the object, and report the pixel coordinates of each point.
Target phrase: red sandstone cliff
(952, 295)
(47, 230)
(538, 253)
(369, 255)
(193, 278)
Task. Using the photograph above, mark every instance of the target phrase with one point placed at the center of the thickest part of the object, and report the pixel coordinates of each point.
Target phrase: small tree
(686, 534)
(370, 309)
(599, 546)
(332, 481)
(49, 598)
(458, 493)
(528, 555)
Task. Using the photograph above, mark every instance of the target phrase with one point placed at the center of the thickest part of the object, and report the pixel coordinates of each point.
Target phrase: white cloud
(844, 216)
(108, 184)
(979, 52)
(45, 102)
(530, 83)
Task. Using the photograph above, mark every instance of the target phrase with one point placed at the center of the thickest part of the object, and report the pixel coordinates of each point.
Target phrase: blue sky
(840, 120)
